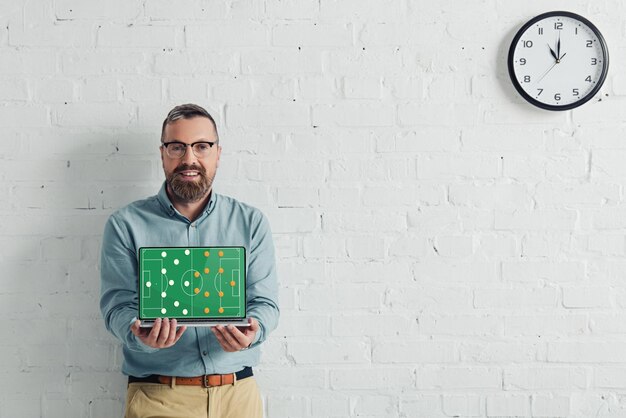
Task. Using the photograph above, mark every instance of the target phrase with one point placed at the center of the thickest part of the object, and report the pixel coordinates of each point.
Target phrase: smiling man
(167, 364)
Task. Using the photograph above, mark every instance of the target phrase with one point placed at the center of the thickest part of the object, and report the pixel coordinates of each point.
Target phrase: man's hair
(187, 111)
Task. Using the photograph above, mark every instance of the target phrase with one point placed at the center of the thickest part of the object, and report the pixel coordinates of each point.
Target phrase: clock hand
(544, 74)
(552, 52)
(558, 47)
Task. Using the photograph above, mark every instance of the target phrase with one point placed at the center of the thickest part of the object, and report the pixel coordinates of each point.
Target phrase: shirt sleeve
(118, 291)
(262, 282)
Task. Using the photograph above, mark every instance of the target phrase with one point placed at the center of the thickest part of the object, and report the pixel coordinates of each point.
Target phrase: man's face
(190, 178)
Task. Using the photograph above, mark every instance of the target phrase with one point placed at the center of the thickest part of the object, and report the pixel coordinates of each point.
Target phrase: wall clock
(558, 60)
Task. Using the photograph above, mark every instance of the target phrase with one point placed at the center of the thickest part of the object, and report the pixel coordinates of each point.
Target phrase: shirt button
(204, 353)
(193, 225)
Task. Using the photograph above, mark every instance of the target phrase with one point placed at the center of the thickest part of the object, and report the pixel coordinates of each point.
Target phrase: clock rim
(585, 99)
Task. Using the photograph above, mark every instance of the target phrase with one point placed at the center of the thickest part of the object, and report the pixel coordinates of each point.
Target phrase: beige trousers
(152, 400)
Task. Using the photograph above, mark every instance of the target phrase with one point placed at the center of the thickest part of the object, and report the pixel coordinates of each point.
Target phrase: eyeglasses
(176, 149)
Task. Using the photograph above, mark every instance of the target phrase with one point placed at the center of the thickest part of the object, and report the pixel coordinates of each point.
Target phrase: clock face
(558, 60)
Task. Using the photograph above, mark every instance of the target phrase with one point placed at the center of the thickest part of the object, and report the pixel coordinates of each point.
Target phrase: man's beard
(189, 191)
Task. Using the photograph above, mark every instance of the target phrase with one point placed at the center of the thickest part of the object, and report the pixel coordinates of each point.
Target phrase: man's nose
(189, 156)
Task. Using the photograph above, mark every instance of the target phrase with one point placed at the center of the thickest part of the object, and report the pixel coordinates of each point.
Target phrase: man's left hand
(233, 338)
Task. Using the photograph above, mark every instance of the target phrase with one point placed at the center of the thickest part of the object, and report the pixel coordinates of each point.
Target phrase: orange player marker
(221, 253)
(206, 270)
(221, 270)
(221, 310)
(196, 290)
(232, 283)
(221, 294)
(206, 253)
(206, 310)
(196, 274)
(206, 294)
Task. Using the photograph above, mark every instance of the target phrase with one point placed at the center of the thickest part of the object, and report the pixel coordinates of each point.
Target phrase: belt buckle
(205, 381)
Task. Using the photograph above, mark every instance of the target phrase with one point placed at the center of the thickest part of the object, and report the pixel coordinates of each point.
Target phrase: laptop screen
(194, 283)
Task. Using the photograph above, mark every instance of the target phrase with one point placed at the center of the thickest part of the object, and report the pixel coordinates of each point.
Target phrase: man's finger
(241, 339)
(179, 333)
(222, 339)
(165, 331)
(232, 341)
(156, 329)
(172, 333)
(135, 328)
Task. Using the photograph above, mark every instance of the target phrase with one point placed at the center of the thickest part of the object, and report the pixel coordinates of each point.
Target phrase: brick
(429, 115)
(55, 91)
(312, 34)
(538, 378)
(421, 406)
(545, 325)
(515, 298)
(104, 61)
(427, 139)
(226, 34)
(374, 61)
(14, 89)
(550, 406)
(457, 377)
(116, 9)
(586, 352)
(362, 88)
(537, 220)
(463, 405)
(58, 34)
(508, 405)
(94, 115)
(195, 62)
(139, 36)
(353, 115)
(292, 9)
(162, 10)
(293, 61)
(451, 166)
(268, 115)
(483, 325)
(374, 325)
(18, 115)
(413, 351)
(371, 379)
(552, 272)
(385, 406)
(587, 297)
(360, 10)
(329, 351)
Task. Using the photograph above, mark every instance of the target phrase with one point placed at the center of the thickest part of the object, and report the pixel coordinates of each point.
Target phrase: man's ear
(219, 153)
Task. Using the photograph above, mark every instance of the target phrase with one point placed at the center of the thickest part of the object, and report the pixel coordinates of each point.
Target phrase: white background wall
(444, 248)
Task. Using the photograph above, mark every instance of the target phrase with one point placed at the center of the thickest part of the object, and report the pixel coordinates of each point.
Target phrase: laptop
(199, 286)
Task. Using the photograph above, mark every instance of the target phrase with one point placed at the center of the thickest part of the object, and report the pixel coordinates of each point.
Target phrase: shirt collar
(171, 210)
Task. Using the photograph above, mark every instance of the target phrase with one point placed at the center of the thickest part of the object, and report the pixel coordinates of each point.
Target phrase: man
(188, 213)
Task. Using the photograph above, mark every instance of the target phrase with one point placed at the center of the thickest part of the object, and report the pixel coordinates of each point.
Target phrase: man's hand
(163, 333)
(233, 338)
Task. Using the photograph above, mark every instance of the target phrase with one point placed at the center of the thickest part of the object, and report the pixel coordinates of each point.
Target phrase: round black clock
(558, 60)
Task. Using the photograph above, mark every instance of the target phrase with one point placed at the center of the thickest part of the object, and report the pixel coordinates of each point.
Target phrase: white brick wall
(444, 249)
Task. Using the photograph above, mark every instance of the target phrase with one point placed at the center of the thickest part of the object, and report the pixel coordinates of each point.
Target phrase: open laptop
(199, 286)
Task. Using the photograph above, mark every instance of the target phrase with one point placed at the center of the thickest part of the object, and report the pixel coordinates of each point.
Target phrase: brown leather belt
(207, 381)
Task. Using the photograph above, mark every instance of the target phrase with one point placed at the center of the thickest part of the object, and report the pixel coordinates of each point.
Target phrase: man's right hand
(163, 333)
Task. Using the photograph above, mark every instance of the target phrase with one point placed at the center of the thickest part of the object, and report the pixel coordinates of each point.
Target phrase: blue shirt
(154, 222)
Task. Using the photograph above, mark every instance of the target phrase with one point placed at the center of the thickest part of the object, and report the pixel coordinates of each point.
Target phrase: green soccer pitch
(192, 282)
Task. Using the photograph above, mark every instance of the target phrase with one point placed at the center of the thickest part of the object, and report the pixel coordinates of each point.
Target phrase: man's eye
(202, 147)
(177, 147)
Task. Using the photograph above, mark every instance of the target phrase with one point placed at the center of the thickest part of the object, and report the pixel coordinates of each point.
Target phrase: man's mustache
(186, 167)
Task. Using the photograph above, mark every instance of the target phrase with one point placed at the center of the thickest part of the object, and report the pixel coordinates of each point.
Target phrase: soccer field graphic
(192, 282)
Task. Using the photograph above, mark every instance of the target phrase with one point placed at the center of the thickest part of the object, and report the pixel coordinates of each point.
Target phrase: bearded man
(186, 212)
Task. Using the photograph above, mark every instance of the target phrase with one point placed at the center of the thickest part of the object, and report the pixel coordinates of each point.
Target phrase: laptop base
(148, 323)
